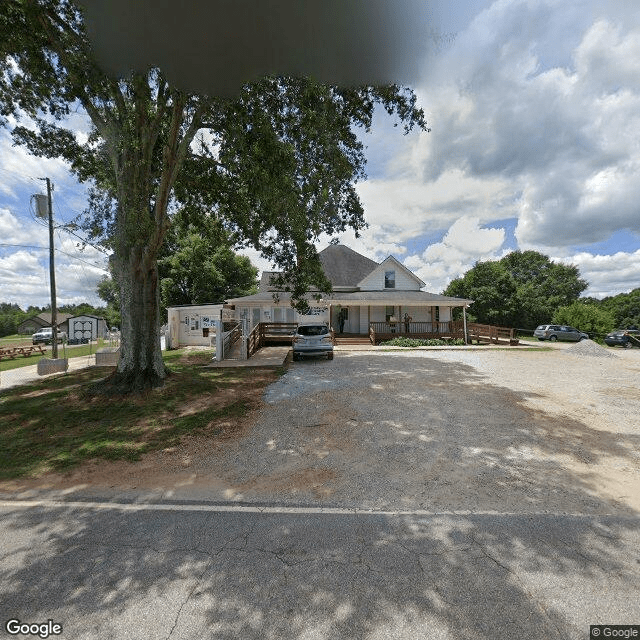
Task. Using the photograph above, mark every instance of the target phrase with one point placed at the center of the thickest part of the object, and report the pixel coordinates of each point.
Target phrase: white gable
(403, 279)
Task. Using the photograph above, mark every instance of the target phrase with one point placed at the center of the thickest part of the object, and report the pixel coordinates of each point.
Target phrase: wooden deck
(274, 333)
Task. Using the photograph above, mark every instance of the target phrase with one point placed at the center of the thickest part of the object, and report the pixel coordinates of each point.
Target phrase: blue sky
(534, 109)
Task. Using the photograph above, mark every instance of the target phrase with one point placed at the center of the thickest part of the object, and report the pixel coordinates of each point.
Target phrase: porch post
(464, 322)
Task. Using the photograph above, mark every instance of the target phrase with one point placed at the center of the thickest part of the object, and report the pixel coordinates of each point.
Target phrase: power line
(23, 246)
(65, 227)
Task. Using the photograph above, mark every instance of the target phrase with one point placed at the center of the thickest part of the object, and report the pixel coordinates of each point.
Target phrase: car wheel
(329, 356)
(628, 345)
(553, 338)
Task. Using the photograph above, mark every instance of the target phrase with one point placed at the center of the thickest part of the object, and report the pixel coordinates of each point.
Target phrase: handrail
(230, 338)
(492, 333)
(407, 328)
(255, 340)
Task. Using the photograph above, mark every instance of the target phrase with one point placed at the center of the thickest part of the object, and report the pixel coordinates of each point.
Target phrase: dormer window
(389, 279)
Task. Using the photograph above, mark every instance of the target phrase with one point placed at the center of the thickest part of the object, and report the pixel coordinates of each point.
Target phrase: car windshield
(313, 330)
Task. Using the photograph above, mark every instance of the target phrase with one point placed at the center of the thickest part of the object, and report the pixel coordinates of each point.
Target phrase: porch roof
(364, 298)
(413, 298)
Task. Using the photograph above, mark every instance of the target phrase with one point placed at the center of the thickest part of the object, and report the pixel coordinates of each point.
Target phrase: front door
(354, 320)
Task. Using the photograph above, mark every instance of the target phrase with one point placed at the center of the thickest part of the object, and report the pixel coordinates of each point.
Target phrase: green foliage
(625, 309)
(197, 265)
(419, 342)
(11, 315)
(585, 316)
(277, 166)
(107, 290)
(521, 290)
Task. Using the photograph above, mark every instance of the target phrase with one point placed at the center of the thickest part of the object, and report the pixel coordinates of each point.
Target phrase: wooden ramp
(491, 334)
(269, 357)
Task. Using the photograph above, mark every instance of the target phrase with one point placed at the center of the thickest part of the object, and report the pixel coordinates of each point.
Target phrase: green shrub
(417, 342)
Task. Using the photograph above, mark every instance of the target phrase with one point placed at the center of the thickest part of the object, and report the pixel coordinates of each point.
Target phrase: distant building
(85, 328)
(42, 320)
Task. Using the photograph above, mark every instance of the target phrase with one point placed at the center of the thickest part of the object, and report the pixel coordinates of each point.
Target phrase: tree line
(525, 289)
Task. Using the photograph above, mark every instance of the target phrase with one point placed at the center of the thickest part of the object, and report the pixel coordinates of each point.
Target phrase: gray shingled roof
(345, 267)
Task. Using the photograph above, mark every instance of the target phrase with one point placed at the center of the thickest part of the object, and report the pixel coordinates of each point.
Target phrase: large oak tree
(276, 166)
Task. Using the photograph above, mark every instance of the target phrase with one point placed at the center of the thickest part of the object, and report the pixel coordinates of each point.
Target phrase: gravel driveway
(487, 430)
(490, 430)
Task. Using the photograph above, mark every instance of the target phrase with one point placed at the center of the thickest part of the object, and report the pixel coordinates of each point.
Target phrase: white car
(46, 336)
(313, 339)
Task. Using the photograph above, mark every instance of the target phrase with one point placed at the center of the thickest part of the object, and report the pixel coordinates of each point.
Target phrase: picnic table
(25, 351)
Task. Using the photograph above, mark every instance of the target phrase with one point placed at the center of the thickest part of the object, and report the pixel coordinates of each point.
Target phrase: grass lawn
(53, 425)
(64, 351)
(15, 340)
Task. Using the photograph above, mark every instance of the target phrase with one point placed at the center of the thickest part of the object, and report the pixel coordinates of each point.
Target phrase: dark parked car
(553, 332)
(313, 339)
(623, 338)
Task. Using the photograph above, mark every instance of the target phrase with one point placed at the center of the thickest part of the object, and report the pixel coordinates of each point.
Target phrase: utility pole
(52, 278)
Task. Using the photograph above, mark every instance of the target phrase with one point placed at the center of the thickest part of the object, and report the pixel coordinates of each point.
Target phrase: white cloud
(535, 115)
(464, 243)
(607, 274)
(405, 208)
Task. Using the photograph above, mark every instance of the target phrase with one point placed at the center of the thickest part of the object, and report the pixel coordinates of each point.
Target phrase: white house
(194, 324)
(384, 298)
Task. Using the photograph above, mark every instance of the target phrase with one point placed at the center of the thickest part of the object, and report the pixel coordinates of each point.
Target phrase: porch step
(363, 340)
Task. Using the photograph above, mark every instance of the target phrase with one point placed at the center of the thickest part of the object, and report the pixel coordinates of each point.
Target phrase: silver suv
(313, 339)
(553, 332)
(46, 336)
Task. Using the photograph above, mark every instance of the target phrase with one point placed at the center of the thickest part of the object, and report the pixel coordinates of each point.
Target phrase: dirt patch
(168, 467)
(316, 481)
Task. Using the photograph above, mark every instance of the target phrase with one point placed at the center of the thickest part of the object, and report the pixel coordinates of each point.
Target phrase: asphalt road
(185, 571)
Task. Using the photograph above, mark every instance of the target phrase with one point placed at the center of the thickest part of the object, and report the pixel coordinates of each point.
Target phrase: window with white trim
(389, 279)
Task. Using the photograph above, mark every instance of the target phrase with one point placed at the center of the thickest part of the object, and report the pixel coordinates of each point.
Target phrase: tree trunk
(140, 365)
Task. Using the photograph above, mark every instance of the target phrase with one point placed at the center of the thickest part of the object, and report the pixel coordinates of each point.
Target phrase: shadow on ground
(258, 576)
(544, 557)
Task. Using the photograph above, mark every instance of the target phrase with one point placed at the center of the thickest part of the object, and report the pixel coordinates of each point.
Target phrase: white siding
(86, 327)
(377, 314)
(418, 314)
(375, 280)
(445, 314)
(187, 325)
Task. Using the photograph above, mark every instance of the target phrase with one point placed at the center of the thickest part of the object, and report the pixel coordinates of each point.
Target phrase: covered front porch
(377, 323)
